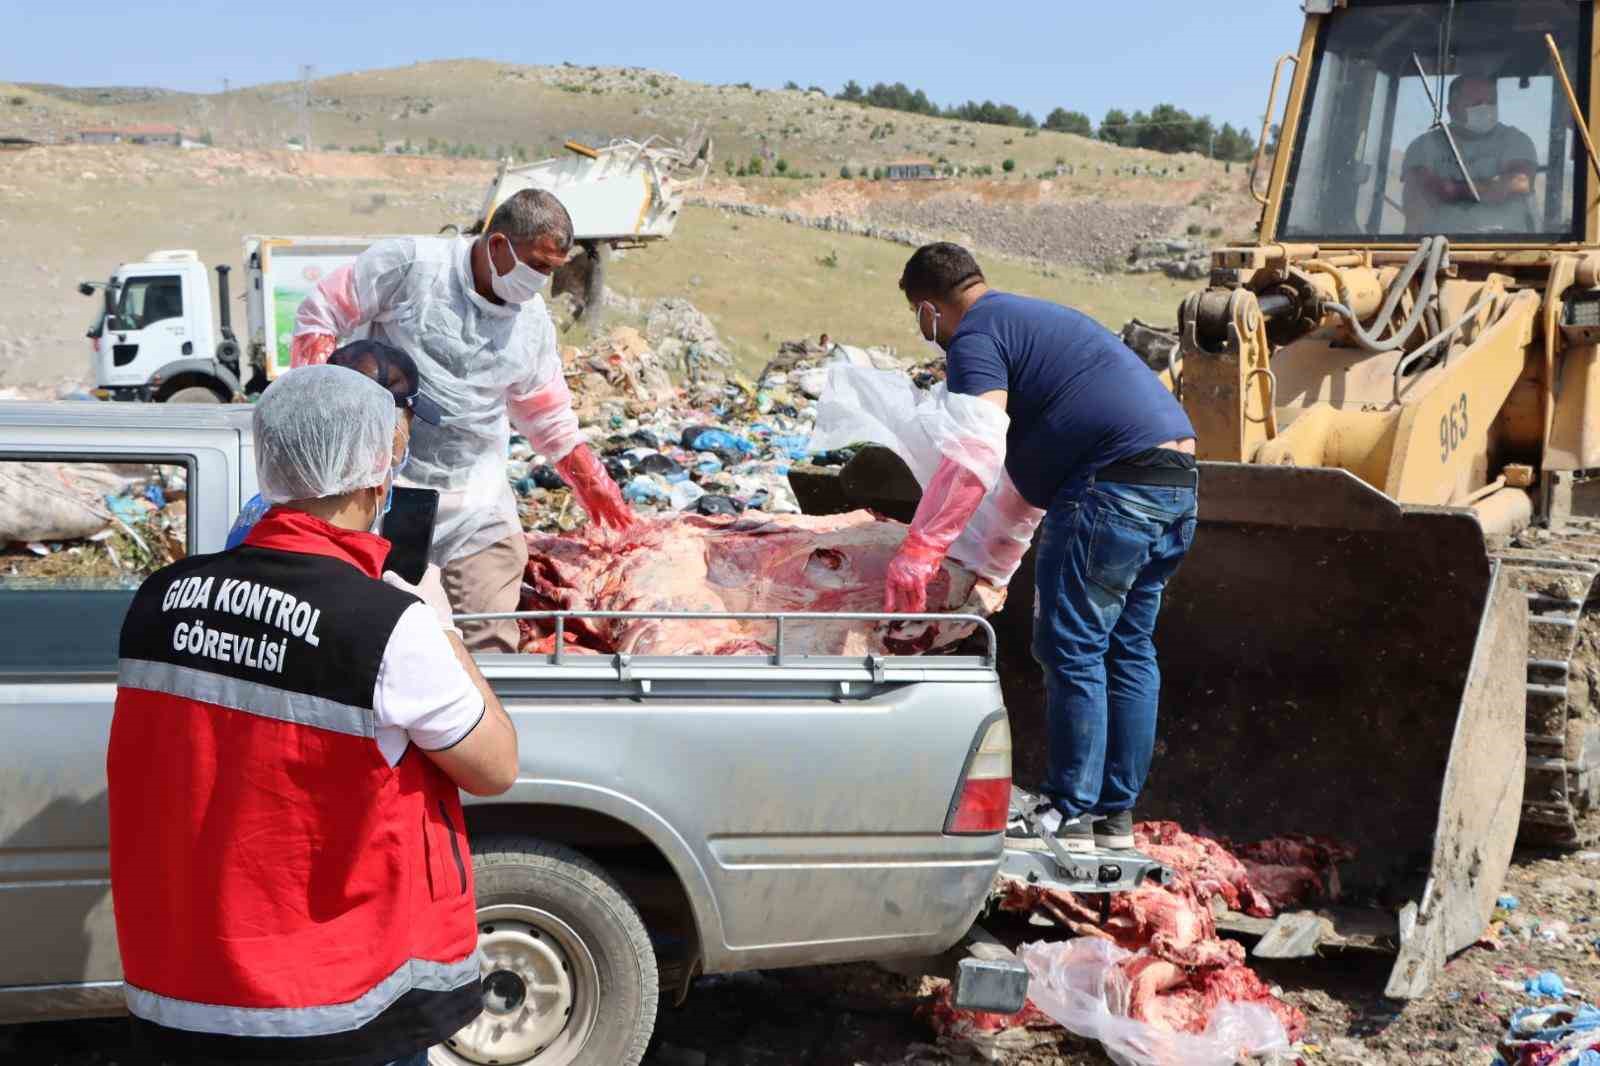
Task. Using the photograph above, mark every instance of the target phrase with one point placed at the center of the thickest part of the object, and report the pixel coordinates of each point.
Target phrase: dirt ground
(862, 1016)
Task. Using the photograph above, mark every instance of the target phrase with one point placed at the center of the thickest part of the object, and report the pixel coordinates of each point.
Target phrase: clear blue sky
(1212, 57)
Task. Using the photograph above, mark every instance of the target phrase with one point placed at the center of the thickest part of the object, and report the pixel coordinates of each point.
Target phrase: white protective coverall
(488, 366)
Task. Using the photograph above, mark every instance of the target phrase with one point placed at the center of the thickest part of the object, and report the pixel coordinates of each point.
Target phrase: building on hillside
(147, 134)
(911, 170)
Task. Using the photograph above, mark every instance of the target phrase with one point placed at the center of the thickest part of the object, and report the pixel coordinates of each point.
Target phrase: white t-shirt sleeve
(423, 695)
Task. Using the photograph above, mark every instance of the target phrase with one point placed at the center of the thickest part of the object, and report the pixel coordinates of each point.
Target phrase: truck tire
(193, 394)
(559, 935)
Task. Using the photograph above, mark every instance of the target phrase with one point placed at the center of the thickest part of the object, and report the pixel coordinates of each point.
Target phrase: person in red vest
(289, 862)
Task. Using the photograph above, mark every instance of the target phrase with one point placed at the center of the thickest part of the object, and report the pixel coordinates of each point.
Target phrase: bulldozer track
(1556, 570)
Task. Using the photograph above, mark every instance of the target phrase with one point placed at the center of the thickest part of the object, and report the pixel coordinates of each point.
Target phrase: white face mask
(518, 285)
(934, 343)
(1483, 118)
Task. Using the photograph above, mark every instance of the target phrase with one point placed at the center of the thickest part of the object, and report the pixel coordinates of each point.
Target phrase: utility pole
(306, 72)
(227, 111)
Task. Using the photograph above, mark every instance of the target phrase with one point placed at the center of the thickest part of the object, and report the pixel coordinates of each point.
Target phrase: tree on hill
(1116, 128)
(851, 92)
(1236, 146)
(900, 97)
(1063, 121)
(992, 113)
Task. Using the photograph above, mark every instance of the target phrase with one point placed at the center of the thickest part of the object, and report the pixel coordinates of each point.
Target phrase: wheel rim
(540, 991)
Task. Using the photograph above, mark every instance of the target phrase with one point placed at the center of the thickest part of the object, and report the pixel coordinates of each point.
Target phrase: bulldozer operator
(1501, 159)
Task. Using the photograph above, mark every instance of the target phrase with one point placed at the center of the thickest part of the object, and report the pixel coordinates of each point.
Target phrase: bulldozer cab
(1410, 120)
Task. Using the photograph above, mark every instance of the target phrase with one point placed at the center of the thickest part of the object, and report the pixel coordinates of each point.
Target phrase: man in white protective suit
(468, 311)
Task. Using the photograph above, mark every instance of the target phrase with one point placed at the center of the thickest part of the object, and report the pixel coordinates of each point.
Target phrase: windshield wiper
(1440, 124)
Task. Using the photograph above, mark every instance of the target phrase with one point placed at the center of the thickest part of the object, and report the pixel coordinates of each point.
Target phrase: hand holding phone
(409, 529)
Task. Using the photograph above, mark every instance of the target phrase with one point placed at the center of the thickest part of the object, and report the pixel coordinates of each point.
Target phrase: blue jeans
(1105, 554)
(419, 1059)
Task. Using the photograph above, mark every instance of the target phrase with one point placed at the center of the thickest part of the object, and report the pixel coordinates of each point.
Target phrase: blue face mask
(388, 497)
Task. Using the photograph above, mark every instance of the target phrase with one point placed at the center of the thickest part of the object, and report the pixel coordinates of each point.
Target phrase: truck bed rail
(840, 669)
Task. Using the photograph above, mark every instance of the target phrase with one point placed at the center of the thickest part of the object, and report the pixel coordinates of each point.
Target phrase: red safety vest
(281, 892)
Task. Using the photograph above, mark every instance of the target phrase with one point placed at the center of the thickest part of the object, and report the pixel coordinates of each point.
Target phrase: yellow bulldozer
(1375, 638)
(1396, 391)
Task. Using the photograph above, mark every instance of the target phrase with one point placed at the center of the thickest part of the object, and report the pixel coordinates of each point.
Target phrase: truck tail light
(983, 799)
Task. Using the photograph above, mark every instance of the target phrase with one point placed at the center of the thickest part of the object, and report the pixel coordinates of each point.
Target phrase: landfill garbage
(1548, 984)
(1508, 903)
(48, 501)
(662, 466)
(545, 477)
(717, 504)
(1551, 1036)
(712, 439)
(641, 490)
(1096, 989)
(684, 494)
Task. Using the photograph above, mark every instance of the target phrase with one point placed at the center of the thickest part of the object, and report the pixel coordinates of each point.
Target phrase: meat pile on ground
(788, 563)
(1181, 970)
(1259, 879)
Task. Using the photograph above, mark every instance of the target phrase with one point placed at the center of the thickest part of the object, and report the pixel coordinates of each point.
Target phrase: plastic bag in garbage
(1080, 985)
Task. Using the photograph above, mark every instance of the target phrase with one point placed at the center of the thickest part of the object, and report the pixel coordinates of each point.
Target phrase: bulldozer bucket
(1333, 663)
(1338, 664)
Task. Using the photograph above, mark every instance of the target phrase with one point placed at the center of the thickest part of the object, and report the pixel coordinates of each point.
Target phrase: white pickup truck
(674, 816)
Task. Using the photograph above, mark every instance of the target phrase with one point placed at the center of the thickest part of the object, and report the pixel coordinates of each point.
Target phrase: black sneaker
(1114, 832)
(1074, 835)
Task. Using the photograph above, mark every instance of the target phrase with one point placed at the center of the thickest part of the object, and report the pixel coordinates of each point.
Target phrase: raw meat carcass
(766, 563)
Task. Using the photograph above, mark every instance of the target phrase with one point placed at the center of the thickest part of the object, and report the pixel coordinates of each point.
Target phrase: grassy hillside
(763, 281)
(494, 105)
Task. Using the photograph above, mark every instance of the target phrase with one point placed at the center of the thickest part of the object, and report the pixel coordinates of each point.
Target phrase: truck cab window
(1394, 130)
(77, 537)
(148, 300)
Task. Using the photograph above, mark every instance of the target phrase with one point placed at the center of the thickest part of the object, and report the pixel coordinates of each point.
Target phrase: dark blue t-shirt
(1078, 398)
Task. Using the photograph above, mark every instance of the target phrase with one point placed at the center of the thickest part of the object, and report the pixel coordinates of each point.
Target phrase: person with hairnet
(468, 311)
(291, 881)
(389, 367)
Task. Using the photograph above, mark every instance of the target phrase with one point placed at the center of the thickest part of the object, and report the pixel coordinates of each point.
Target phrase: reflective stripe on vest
(252, 697)
(303, 1021)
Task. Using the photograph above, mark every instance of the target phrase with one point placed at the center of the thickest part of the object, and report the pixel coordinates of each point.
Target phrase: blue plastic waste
(249, 515)
(1508, 903)
(125, 508)
(711, 439)
(153, 493)
(1548, 983)
(642, 490)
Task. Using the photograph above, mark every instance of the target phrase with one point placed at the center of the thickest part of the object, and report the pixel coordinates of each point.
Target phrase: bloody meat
(790, 563)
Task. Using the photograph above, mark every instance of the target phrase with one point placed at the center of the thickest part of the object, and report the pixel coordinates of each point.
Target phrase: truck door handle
(188, 347)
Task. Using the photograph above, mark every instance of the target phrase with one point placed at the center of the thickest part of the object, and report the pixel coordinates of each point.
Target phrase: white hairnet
(322, 431)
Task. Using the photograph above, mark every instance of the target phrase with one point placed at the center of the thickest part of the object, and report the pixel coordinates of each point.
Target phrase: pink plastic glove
(311, 349)
(948, 503)
(598, 494)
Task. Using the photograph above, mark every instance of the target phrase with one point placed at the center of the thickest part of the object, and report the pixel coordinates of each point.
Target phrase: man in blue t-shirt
(1104, 449)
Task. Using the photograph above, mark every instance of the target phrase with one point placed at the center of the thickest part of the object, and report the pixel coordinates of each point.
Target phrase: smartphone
(408, 527)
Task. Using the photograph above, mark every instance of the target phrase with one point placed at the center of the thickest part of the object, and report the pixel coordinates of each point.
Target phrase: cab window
(1427, 118)
(148, 300)
(78, 535)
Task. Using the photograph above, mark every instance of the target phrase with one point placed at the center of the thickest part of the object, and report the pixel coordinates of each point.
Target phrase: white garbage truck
(161, 336)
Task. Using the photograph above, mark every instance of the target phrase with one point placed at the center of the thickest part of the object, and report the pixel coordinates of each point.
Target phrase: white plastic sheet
(42, 501)
(863, 405)
(1079, 985)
